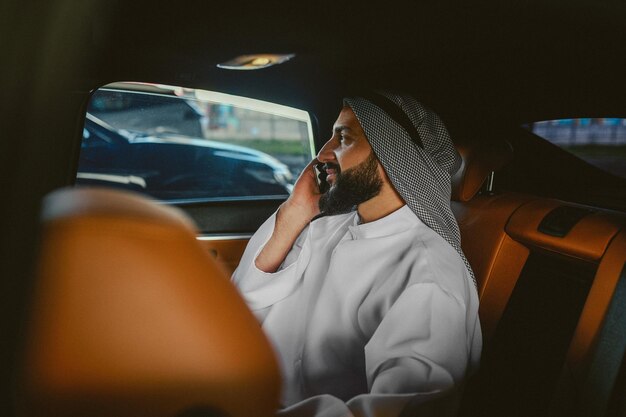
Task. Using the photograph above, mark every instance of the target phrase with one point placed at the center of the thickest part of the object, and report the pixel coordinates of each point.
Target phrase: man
(367, 307)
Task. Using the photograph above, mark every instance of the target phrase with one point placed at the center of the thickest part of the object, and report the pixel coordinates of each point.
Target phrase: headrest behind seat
(132, 317)
(478, 161)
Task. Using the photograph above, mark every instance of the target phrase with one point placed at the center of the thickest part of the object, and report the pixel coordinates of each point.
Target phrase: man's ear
(383, 174)
(386, 180)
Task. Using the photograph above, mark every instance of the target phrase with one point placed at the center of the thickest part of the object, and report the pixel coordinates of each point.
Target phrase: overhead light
(252, 62)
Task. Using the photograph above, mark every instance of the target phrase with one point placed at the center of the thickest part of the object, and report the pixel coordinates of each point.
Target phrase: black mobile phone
(320, 177)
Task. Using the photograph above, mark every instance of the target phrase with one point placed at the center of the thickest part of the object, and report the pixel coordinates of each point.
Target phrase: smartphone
(320, 177)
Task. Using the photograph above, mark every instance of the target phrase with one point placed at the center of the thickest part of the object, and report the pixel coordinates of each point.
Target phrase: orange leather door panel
(226, 250)
(587, 240)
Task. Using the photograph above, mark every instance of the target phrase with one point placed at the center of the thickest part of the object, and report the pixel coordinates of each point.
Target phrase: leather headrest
(477, 162)
(132, 317)
(104, 202)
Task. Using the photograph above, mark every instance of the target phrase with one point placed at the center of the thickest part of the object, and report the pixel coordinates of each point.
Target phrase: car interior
(119, 304)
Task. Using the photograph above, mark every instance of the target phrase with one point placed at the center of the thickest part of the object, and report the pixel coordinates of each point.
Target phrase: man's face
(350, 165)
(346, 148)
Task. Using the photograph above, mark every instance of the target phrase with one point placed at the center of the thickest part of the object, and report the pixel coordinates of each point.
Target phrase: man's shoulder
(428, 258)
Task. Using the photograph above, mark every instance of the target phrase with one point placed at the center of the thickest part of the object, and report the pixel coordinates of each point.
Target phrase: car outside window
(598, 141)
(178, 144)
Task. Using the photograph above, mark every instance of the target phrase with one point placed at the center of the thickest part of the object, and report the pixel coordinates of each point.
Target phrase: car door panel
(226, 227)
(231, 217)
(226, 250)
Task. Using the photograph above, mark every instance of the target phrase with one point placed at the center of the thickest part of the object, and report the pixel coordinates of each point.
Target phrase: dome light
(252, 62)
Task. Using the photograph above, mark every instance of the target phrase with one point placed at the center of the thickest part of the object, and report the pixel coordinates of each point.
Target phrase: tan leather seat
(511, 253)
(497, 260)
(132, 317)
(477, 162)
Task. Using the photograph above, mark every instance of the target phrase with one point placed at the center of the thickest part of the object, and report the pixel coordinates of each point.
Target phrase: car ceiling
(518, 61)
(514, 61)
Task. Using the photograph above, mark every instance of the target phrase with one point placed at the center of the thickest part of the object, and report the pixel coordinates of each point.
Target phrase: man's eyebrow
(340, 128)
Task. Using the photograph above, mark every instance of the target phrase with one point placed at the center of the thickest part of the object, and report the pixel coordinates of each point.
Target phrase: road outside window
(598, 141)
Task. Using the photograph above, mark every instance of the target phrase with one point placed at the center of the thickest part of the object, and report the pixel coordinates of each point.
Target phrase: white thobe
(361, 315)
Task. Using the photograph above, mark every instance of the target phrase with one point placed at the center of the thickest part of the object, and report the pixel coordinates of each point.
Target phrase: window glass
(600, 141)
(178, 144)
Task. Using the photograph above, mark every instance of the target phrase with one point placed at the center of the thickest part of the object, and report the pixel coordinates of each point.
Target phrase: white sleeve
(365, 405)
(262, 289)
(361, 406)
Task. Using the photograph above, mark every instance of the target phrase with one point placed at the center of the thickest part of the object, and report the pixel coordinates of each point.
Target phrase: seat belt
(607, 361)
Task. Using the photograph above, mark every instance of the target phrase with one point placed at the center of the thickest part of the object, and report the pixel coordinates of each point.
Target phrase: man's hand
(302, 204)
(292, 217)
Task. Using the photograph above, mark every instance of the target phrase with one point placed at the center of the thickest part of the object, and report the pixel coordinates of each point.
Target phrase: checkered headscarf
(414, 147)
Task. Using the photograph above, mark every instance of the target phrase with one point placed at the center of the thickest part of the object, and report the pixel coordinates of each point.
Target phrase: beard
(352, 187)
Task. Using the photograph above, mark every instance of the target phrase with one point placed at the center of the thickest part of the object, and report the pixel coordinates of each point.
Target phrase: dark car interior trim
(231, 217)
(562, 219)
(219, 237)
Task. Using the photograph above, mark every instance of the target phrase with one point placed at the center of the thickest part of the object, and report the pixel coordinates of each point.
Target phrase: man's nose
(327, 154)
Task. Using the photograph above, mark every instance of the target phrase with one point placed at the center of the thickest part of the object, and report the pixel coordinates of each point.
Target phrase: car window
(598, 141)
(179, 144)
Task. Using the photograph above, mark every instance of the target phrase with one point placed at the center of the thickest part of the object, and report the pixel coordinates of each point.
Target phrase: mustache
(322, 171)
(330, 165)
